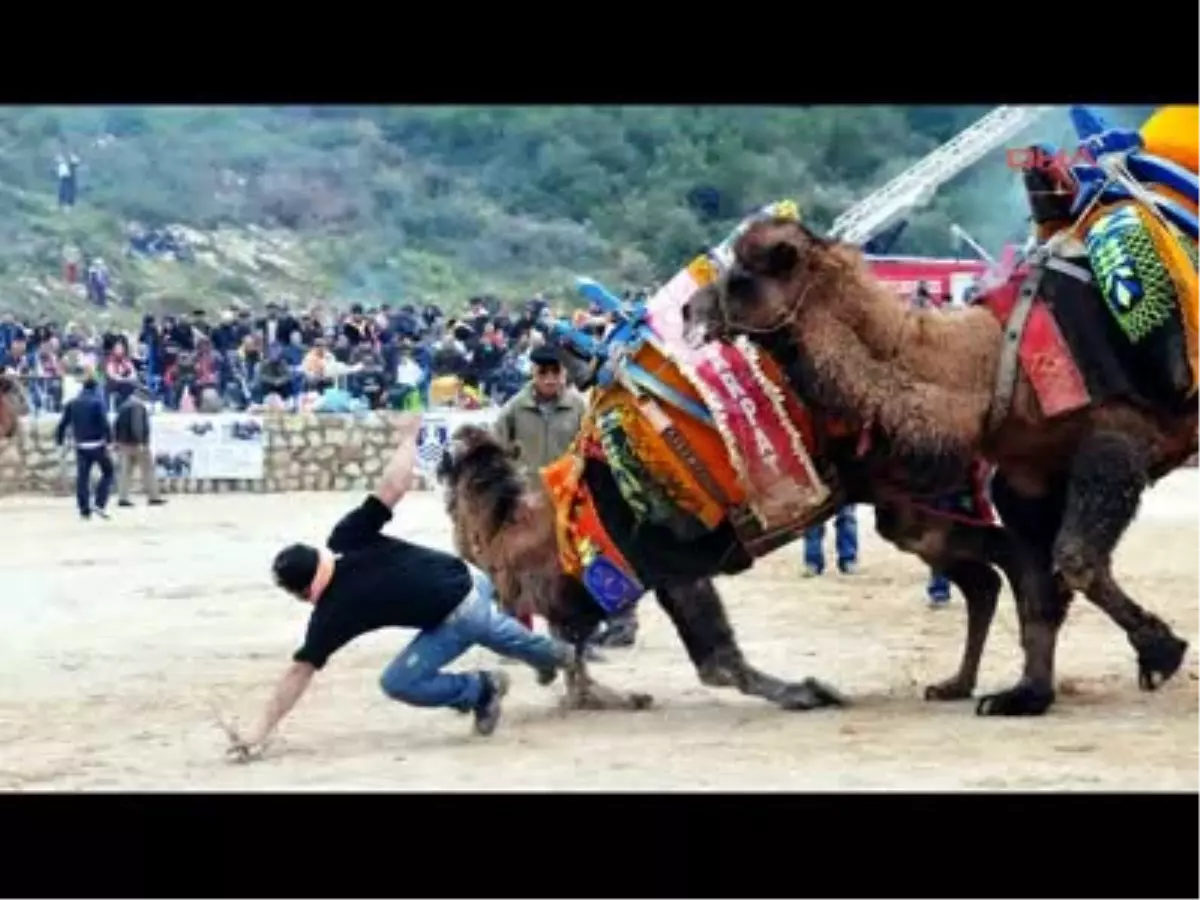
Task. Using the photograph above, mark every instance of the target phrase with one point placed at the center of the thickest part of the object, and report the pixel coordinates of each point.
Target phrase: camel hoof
(640, 701)
(810, 694)
(951, 689)
(1022, 700)
(1158, 660)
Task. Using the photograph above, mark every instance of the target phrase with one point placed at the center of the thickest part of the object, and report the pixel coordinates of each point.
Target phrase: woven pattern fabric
(1135, 281)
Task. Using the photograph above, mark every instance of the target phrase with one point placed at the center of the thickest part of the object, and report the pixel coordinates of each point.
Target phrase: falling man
(363, 581)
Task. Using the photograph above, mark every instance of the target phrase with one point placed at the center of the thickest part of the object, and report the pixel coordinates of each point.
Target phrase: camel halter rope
(731, 325)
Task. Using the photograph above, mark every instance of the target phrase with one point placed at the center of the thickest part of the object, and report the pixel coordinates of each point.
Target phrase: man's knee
(400, 680)
(394, 686)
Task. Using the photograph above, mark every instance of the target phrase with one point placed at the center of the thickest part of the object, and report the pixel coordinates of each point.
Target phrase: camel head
(13, 404)
(778, 266)
(481, 477)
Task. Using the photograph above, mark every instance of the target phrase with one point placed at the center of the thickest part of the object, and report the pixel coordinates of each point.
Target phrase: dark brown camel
(506, 527)
(926, 383)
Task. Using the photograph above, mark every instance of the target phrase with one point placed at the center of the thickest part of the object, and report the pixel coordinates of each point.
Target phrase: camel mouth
(698, 327)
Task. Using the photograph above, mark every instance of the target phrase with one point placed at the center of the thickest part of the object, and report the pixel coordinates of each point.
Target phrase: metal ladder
(916, 185)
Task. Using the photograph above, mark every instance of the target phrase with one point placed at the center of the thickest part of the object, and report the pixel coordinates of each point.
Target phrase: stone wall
(303, 452)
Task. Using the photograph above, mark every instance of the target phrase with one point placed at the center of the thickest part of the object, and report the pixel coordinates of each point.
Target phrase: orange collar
(325, 566)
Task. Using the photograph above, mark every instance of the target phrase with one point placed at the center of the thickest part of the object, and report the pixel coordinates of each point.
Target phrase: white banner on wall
(436, 428)
(196, 445)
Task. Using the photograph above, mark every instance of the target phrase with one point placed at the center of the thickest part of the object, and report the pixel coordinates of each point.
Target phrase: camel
(509, 529)
(13, 405)
(939, 389)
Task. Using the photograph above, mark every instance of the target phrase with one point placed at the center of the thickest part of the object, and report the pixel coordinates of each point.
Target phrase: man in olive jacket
(132, 434)
(544, 417)
(543, 420)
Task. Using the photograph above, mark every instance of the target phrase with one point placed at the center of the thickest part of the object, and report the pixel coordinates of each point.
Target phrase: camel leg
(965, 554)
(699, 617)
(980, 587)
(1103, 494)
(1042, 600)
(1159, 651)
(584, 692)
(574, 620)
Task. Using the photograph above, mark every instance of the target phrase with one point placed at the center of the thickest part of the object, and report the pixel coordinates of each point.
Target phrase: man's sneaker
(102, 513)
(848, 568)
(937, 601)
(811, 572)
(125, 503)
(157, 501)
(86, 516)
(487, 712)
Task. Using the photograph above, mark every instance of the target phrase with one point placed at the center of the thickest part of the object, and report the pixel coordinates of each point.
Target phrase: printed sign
(436, 429)
(186, 445)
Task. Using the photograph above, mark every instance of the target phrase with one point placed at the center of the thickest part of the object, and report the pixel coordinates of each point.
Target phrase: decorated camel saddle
(693, 438)
(1106, 304)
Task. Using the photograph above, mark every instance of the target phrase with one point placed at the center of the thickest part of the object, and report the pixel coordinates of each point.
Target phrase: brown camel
(13, 405)
(938, 388)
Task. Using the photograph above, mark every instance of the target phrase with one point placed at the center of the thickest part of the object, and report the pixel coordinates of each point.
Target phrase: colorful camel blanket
(746, 461)
(1146, 273)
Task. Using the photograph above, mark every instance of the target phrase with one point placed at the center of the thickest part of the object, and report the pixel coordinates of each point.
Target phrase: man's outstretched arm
(288, 691)
(362, 524)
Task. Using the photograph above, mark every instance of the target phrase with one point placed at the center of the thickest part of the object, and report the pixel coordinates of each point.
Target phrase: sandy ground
(118, 637)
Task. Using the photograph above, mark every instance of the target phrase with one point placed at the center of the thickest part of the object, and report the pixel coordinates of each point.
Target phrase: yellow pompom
(1173, 133)
(787, 209)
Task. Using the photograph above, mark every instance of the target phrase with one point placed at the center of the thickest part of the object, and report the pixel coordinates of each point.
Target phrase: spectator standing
(845, 524)
(132, 433)
(66, 183)
(85, 417)
(120, 375)
(97, 282)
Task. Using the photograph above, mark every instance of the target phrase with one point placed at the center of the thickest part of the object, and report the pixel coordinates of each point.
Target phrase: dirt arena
(120, 636)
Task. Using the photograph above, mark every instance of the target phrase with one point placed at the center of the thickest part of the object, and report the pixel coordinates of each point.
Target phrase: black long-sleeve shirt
(379, 582)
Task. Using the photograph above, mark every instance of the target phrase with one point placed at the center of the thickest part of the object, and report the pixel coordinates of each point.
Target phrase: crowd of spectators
(404, 357)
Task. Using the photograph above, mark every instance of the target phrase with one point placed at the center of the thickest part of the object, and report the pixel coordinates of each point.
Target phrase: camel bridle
(730, 325)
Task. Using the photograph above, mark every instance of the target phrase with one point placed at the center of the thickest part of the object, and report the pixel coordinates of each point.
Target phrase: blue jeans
(84, 460)
(938, 588)
(845, 527)
(415, 675)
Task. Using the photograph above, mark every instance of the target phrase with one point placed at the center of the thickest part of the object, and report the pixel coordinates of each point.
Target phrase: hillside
(415, 203)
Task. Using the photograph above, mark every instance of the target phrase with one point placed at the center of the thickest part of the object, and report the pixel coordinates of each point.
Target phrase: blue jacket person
(87, 420)
(363, 580)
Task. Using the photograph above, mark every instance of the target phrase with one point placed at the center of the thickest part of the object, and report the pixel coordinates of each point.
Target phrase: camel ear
(781, 259)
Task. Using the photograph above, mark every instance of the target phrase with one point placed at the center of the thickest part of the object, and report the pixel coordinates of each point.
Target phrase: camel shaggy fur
(924, 382)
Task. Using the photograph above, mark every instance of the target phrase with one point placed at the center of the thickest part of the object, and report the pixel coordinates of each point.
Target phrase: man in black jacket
(87, 419)
(365, 581)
